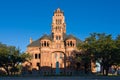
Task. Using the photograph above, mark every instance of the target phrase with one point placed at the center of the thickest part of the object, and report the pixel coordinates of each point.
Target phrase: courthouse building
(50, 51)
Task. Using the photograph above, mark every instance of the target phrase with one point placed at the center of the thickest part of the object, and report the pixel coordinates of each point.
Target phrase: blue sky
(22, 19)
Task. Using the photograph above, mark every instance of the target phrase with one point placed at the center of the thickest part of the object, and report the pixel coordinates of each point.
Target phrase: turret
(58, 25)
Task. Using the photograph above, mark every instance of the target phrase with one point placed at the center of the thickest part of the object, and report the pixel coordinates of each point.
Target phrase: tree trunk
(86, 68)
(7, 70)
(107, 70)
(103, 70)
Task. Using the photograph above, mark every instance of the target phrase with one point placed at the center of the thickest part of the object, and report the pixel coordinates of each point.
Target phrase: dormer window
(42, 44)
(45, 43)
(70, 43)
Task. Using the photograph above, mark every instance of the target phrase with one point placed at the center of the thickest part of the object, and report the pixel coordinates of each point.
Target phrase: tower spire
(58, 24)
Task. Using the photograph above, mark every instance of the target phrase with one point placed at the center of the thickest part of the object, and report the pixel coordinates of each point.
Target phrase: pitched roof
(37, 42)
(70, 37)
(34, 43)
(45, 36)
(49, 37)
(66, 37)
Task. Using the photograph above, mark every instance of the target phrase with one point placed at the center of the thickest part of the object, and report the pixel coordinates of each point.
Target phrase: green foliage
(11, 57)
(102, 48)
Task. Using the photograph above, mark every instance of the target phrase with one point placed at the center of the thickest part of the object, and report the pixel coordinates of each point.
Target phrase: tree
(11, 57)
(17, 58)
(4, 57)
(117, 51)
(102, 48)
(87, 48)
(106, 51)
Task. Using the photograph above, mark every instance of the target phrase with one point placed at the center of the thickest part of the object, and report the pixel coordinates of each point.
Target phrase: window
(60, 29)
(58, 21)
(39, 56)
(57, 38)
(55, 55)
(73, 44)
(35, 56)
(56, 28)
(47, 44)
(60, 55)
(44, 43)
(31, 64)
(38, 64)
(70, 43)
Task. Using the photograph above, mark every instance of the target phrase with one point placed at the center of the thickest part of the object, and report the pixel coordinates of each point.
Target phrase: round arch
(60, 58)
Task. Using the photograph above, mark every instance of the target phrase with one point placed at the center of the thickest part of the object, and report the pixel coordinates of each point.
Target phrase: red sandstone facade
(51, 50)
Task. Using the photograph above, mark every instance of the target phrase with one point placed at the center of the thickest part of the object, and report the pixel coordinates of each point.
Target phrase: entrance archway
(58, 62)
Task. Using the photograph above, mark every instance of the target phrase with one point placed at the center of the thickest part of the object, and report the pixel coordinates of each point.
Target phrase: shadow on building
(72, 66)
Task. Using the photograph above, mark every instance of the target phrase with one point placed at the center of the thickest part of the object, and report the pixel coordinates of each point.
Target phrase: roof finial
(58, 11)
(31, 40)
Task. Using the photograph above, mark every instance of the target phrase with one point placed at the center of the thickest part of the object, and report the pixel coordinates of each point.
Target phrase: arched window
(70, 43)
(67, 43)
(55, 55)
(56, 28)
(60, 21)
(60, 29)
(56, 37)
(59, 37)
(39, 55)
(47, 44)
(61, 55)
(35, 56)
(42, 44)
(56, 21)
(73, 44)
